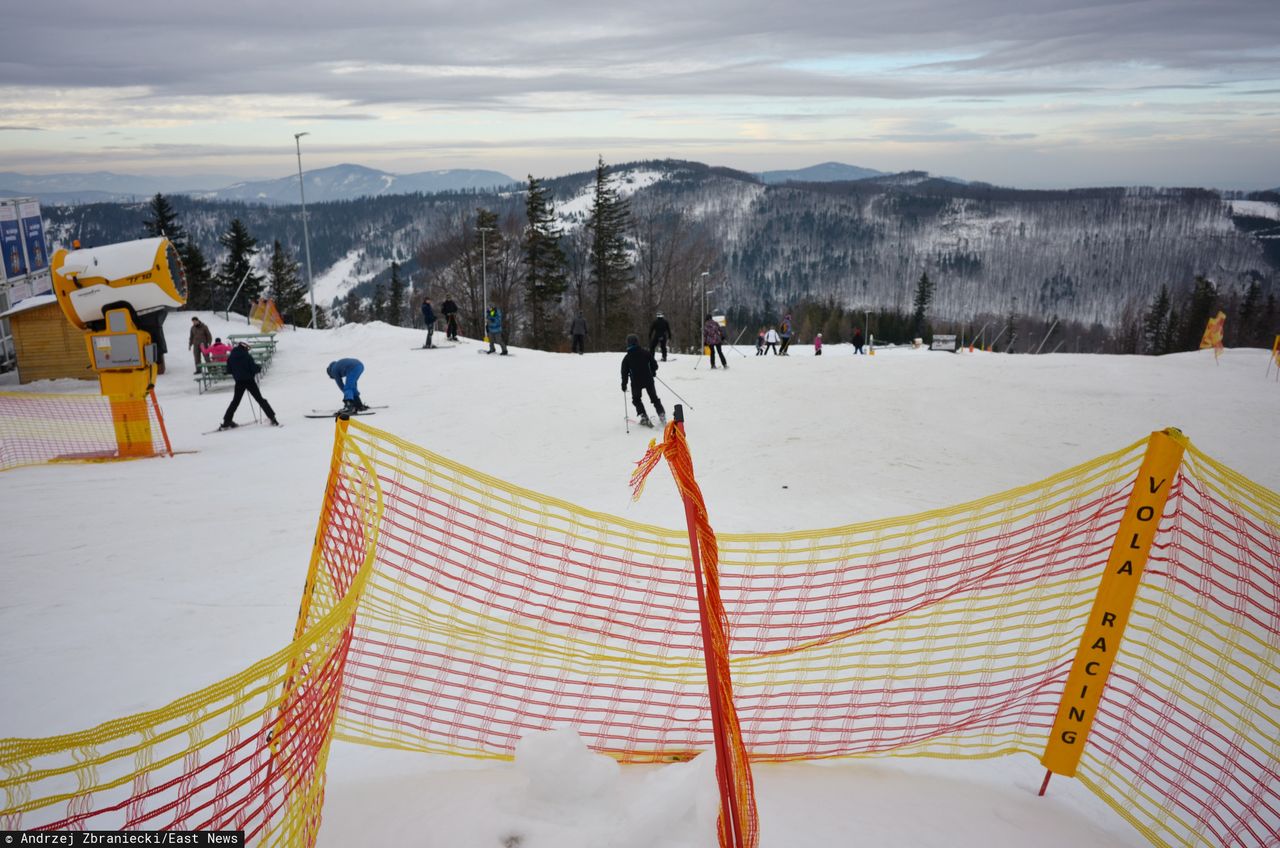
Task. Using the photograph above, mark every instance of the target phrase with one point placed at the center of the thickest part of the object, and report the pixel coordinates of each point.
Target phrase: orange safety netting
(448, 611)
(40, 428)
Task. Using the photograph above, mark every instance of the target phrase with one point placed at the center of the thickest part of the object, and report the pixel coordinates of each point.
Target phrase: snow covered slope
(126, 585)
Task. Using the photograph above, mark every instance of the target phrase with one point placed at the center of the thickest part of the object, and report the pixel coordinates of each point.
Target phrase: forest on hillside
(1087, 263)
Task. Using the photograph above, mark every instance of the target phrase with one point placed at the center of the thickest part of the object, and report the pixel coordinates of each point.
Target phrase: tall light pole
(702, 286)
(306, 236)
(484, 278)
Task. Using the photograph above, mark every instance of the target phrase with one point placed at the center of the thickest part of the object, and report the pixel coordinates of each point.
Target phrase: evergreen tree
(610, 262)
(237, 267)
(395, 300)
(378, 303)
(544, 266)
(1155, 327)
(1248, 315)
(163, 221)
(1201, 306)
(924, 296)
(353, 309)
(286, 286)
(200, 282)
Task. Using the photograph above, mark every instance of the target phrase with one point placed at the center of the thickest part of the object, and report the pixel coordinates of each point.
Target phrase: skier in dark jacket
(659, 332)
(639, 366)
(243, 369)
(428, 318)
(578, 329)
(346, 373)
(450, 311)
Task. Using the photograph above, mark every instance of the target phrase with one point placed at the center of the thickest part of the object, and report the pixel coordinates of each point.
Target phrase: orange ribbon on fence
(738, 825)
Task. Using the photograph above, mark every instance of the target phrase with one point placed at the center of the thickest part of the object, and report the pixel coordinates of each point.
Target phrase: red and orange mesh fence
(448, 611)
(40, 428)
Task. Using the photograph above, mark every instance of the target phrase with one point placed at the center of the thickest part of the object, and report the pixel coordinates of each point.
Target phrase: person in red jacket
(218, 351)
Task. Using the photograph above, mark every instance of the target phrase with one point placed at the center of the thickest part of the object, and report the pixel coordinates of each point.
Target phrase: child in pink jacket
(817, 345)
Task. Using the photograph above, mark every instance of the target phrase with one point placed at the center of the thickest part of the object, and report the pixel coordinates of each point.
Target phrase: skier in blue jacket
(493, 329)
(346, 373)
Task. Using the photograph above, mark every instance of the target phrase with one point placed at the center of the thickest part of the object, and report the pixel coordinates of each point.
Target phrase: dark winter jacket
(712, 333)
(448, 307)
(428, 314)
(578, 327)
(493, 326)
(200, 336)
(659, 329)
(640, 366)
(241, 365)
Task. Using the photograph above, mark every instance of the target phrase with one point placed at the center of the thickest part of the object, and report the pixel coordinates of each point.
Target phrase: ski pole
(673, 391)
(626, 419)
(734, 346)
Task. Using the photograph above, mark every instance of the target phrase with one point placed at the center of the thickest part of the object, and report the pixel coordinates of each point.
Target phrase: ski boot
(645, 422)
(228, 425)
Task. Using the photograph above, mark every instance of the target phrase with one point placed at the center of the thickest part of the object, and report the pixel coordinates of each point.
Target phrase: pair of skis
(321, 413)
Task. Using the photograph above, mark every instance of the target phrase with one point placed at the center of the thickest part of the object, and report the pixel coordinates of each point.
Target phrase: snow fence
(450, 612)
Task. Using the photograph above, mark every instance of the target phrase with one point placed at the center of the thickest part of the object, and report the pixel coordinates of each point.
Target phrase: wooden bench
(212, 373)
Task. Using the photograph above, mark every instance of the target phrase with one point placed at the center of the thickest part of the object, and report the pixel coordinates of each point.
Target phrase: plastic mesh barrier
(40, 428)
(450, 612)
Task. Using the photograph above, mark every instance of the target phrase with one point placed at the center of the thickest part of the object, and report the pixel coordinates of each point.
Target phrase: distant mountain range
(340, 182)
(827, 172)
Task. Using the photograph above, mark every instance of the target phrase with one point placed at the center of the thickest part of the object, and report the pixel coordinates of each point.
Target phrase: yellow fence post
(1104, 629)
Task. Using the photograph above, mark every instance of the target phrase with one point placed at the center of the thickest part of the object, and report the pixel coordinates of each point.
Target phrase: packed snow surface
(126, 585)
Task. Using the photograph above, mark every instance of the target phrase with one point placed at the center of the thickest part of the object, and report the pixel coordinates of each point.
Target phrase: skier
(428, 318)
(784, 332)
(578, 329)
(450, 311)
(493, 329)
(857, 340)
(198, 340)
(659, 332)
(760, 343)
(817, 345)
(346, 373)
(242, 367)
(713, 338)
(640, 366)
(771, 341)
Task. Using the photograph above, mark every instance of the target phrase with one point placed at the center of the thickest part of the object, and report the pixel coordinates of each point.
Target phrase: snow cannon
(143, 276)
(120, 294)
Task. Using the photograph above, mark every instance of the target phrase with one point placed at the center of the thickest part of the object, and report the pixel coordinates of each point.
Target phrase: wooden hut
(47, 346)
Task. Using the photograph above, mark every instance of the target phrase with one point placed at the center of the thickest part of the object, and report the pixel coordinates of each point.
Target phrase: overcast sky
(1029, 93)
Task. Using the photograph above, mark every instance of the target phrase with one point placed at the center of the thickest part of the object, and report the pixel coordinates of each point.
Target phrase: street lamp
(702, 285)
(306, 236)
(484, 277)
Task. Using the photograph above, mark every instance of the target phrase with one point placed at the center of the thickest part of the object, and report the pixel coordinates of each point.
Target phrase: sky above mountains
(1044, 93)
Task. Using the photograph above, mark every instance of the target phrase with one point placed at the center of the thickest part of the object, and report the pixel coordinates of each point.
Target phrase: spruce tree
(236, 267)
(395, 300)
(1247, 317)
(924, 296)
(162, 220)
(353, 309)
(200, 282)
(1201, 306)
(1155, 327)
(286, 286)
(544, 265)
(610, 262)
(378, 303)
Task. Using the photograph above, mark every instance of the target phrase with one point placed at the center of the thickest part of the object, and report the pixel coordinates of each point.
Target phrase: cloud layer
(573, 76)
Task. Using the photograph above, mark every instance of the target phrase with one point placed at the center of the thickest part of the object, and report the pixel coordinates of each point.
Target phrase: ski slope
(126, 585)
